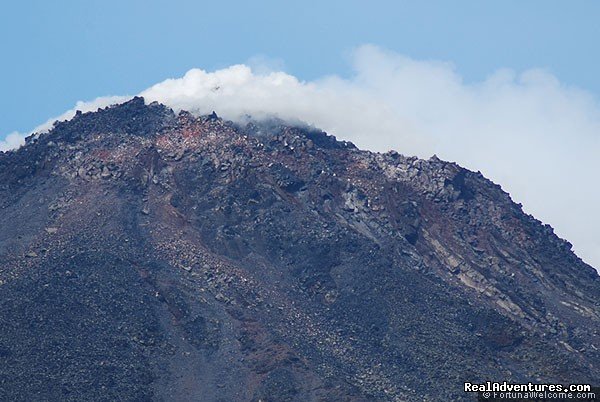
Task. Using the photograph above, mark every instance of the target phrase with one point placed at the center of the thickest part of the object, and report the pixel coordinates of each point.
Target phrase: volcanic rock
(271, 262)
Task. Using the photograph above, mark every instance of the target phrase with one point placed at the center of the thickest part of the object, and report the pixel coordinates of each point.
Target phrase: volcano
(153, 255)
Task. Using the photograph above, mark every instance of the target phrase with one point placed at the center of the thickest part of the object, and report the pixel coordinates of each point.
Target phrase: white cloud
(12, 141)
(537, 137)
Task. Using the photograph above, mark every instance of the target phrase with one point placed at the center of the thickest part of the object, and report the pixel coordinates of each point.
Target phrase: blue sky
(57, 52)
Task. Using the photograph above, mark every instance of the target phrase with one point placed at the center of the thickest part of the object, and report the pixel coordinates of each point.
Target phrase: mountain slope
(151, 256)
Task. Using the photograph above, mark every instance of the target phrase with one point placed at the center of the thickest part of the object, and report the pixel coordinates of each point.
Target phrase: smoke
(12, 141)
(538, 138)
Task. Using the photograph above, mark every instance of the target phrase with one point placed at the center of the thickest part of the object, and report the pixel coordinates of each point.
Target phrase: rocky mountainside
(146, 255)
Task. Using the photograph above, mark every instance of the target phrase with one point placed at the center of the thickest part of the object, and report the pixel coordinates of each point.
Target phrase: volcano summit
(148, 255)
